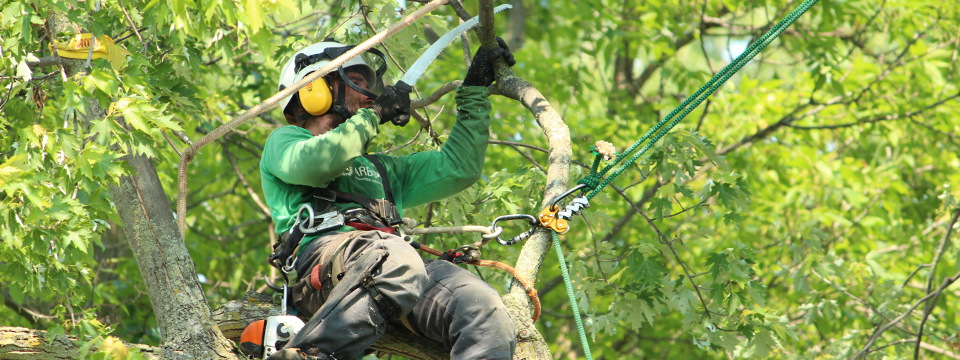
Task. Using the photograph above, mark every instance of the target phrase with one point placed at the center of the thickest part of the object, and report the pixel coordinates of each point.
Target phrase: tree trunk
(178, 302)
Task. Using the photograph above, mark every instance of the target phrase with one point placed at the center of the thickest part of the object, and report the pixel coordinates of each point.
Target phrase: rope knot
(591, 181)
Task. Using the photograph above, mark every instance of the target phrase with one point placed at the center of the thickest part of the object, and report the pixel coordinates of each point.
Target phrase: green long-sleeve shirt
(294, 162)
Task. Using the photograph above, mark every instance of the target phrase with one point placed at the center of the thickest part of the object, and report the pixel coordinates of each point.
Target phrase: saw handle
(393, 104)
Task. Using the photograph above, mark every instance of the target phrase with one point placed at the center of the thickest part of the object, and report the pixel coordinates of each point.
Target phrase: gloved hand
(393, 104)
(480, 72)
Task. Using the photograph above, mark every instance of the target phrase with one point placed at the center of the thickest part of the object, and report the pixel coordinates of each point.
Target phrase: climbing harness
(320, 215)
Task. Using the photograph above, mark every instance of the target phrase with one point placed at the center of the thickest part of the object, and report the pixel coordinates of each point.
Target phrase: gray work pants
(438, 300)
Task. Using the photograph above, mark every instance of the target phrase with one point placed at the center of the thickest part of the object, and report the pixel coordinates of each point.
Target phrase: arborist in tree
(337, 209)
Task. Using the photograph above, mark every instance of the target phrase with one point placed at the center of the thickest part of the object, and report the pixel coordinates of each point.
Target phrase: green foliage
(786, 218)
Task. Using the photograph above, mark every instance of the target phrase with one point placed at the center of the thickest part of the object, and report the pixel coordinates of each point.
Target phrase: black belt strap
(394, 219)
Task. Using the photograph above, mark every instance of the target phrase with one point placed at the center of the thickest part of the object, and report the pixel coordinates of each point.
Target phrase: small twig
(928, 308)
(132, 25)
(172, 145)
(676, 256)
(596, 253)
(878, 118)
(847, 293)
(414, 138)
(460, 10)
(922, 266)
(516, 147)
(372, 28)
(436, 95)
(243, 180)
(876, 334)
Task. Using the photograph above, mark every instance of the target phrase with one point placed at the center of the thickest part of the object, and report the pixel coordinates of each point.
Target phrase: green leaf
(733, 219)
(645, 269)
(103, 81)
(254, 15)
(104, 129)
(718, 264)
(74, 239)
(11, 169)
(661, 207)
(757, 293)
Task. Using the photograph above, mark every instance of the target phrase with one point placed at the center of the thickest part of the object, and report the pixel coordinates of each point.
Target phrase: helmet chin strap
(340, 104)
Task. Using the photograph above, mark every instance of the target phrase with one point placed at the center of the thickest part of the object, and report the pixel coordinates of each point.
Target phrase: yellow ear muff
(316, 97)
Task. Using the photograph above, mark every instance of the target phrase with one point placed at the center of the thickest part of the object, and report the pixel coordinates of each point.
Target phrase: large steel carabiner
(496, 230)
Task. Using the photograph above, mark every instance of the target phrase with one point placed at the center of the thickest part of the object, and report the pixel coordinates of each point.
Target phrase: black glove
(393, 104)
(480, 72)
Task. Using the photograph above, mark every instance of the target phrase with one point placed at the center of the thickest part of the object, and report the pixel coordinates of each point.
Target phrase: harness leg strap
(352, 297)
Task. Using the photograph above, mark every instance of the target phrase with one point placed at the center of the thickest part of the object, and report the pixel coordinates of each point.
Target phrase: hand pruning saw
(416, 70)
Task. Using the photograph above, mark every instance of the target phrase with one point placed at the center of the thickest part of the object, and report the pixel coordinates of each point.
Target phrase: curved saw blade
(420, 66)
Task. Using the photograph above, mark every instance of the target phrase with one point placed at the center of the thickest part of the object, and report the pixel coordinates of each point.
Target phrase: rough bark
(18, 343)
(531, 344)
(179, 304)
(168, 271)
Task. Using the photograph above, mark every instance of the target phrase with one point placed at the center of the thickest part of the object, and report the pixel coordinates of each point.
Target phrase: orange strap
(527, 285)
(315, 278)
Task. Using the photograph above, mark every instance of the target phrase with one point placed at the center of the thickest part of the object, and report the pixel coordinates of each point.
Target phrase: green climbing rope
(593, 182)
(691, 103)
(573, 299)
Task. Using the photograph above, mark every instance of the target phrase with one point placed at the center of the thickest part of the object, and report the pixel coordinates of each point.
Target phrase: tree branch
(876, 334)
(879, 118)
(928, 308)
(531, 344)
(243, 180)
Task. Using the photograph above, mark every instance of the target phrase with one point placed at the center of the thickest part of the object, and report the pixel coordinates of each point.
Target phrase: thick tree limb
(18, 343)
(531, 344)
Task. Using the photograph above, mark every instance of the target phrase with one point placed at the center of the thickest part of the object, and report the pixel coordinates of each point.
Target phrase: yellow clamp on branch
(78, 47)
(548, 219)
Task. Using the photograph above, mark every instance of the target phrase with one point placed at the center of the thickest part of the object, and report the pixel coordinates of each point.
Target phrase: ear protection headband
(315, 97)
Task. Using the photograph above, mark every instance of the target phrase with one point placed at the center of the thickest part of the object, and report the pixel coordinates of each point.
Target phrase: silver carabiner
(496, 231)
(565, 194)
(288, 265)
(310, 215)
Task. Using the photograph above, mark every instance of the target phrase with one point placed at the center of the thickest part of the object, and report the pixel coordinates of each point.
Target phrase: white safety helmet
(316, 56)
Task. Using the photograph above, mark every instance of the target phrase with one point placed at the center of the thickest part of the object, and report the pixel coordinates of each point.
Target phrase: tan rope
(409, 227)
(272, 102)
